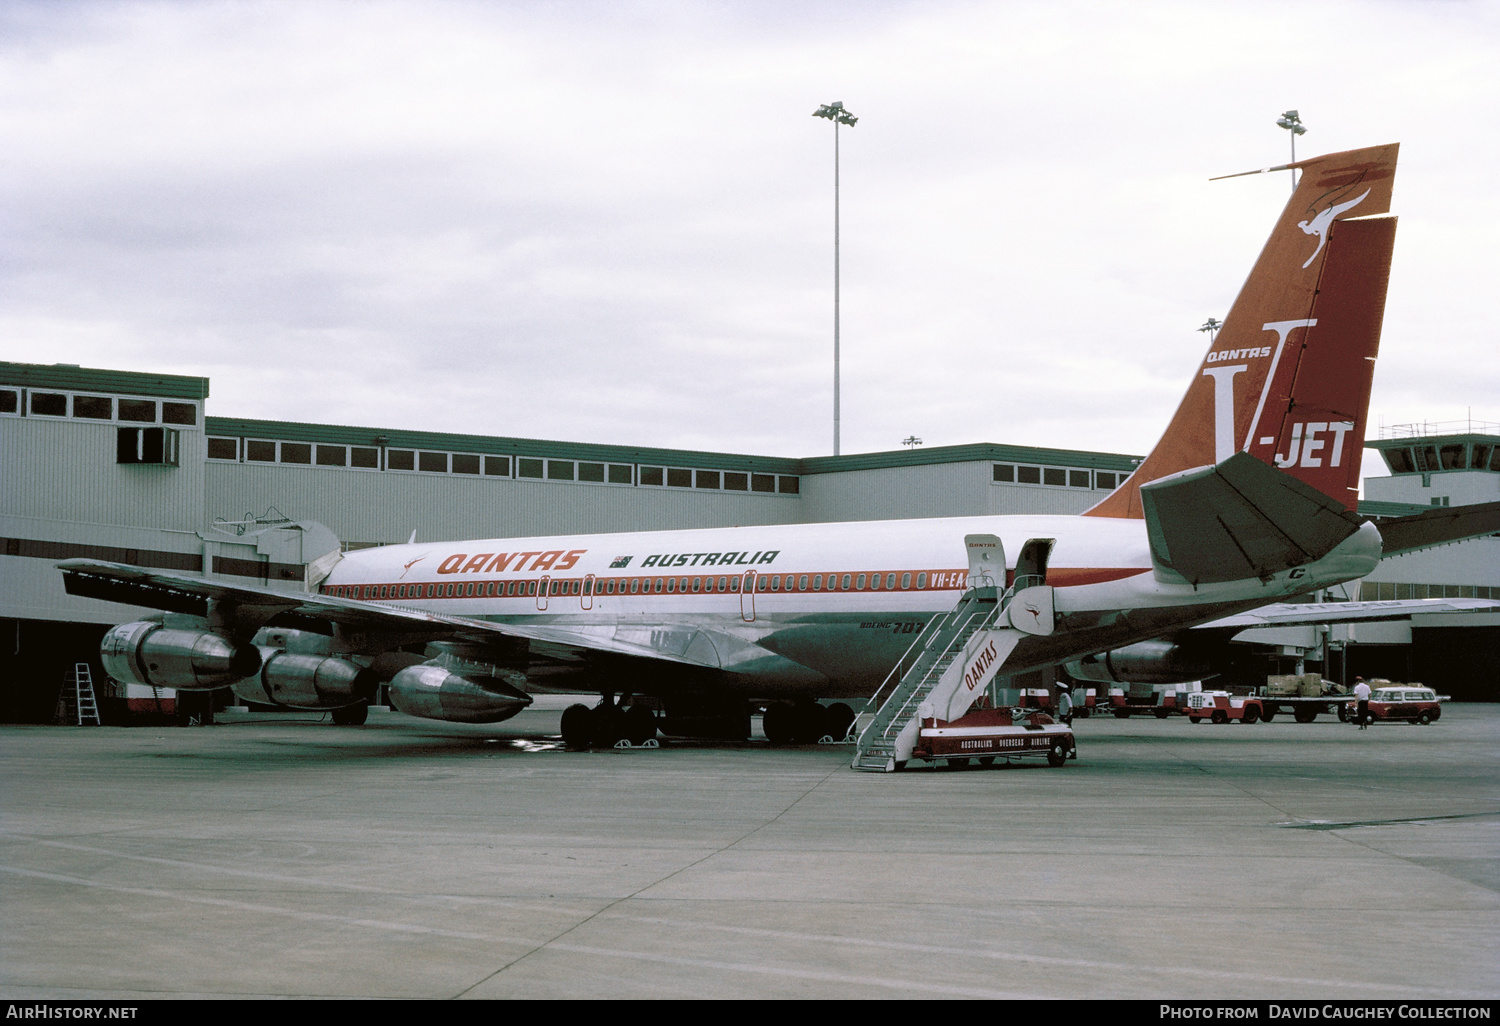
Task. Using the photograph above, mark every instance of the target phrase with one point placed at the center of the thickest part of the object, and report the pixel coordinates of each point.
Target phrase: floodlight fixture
(1292, 122)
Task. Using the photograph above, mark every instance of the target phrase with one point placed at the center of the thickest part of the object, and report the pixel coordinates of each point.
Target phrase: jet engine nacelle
(1145, 662)
(148, 653)
(300, 681)
(439, 694)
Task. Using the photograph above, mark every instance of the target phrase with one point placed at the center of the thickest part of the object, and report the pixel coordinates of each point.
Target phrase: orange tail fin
(1288, 377)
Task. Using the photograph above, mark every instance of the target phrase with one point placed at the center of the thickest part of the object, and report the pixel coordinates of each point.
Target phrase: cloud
(613, 222)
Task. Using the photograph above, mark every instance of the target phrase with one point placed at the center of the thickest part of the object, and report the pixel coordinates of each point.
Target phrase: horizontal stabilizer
(1238, 520)
(1437, 527)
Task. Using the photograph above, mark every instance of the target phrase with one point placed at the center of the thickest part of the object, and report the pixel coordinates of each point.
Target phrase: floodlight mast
(1292, 122)
(836, 113)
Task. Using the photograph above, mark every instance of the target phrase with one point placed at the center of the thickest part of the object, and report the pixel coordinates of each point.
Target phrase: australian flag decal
(620, 561)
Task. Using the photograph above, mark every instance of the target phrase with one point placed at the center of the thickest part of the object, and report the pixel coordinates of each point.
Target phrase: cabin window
(763, 584)
(671, 585)
(890, 580)
(817, 582)
(921, 581)
(844, 582)
(859, 582)
(905, 581)
(802, 583)
(697, 583)
(734, 583)
(635, 585)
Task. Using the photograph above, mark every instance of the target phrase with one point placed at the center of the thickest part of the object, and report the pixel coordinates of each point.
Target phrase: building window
(296, 452)
(49, 404)
(223, 448)
(497, 466)
(762, 482)
(1103, 479)
(10, 401)
(651, 476)
(259, 451)
(364, 458)
(527, 467)
(179, 413)
(591, 472)
(432, 462)
(789, 485)
(559, 470)
(620, 473)
(677, 477)
(140, 411)
(464, 463)
(734, 482)
(1054, 476)
(94, 407)
(1078, 479)
(1002, 472)
(332, 456)
(706, 479)
(154, 445)
(1029, 475)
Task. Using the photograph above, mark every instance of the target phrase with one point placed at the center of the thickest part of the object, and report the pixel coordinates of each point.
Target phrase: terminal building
(129, 467)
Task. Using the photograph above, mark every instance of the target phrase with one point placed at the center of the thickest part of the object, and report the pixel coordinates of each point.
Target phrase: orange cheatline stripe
(937, 580)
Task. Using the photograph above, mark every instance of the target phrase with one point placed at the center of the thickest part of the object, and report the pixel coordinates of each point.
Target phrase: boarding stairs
(77, 704)
(951, 662)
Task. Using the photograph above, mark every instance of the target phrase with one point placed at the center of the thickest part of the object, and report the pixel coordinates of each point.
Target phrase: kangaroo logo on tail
(1319, 225)
(1298, 404)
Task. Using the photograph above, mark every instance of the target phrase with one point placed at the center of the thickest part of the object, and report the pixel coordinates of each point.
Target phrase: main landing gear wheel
(838, 721)
(777, 723)
(640, 725)
(578, 726)
(1058, 755)
(351, 715)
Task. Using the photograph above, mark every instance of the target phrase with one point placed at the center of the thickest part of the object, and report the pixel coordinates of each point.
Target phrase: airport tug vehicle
(991, 734)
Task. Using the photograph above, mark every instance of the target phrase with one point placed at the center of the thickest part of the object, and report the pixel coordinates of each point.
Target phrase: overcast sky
(613, 222)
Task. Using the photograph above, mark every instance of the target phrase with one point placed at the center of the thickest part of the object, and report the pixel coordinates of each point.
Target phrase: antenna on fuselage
(413, 539)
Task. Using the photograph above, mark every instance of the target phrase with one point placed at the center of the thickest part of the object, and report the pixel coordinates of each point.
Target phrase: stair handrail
(952, 627)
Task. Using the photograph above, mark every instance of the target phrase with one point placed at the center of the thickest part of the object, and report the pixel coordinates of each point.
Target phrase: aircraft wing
(260, 606)
(1438, 527)
(1305, 614)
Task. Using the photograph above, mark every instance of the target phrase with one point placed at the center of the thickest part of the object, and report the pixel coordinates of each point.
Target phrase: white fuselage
(810, 608)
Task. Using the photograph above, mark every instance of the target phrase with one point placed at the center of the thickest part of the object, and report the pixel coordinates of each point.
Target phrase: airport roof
(334, 434)
(92, 379)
